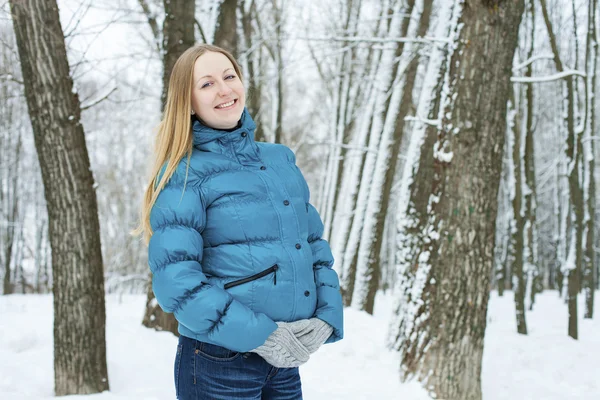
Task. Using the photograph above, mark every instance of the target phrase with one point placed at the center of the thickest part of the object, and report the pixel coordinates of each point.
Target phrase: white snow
(546, 365)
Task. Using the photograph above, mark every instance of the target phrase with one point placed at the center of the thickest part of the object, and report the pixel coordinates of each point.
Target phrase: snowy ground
(545, 365)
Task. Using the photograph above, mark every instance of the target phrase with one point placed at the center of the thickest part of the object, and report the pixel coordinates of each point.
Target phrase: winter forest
(449, 147)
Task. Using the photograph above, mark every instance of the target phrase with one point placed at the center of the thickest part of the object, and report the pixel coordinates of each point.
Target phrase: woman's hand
(312, 333)
(282, 349)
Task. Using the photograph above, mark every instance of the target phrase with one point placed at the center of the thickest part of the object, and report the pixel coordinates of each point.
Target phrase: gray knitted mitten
(282, 349)
(313, 336)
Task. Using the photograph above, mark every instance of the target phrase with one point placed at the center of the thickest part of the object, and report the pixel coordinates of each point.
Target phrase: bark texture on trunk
(226, 35)
(54, 108)
(453, 207)
(519, 221)
(589, 259)
(178, 36)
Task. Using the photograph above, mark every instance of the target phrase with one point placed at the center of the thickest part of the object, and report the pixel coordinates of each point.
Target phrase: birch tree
(54, 109)
(449, 228)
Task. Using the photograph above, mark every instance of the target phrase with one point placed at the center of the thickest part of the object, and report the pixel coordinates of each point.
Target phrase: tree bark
(226, 35)
(54, 108)
(178, 36)
(530, 258)
(519, 221)
(589, 258)
(453, 206)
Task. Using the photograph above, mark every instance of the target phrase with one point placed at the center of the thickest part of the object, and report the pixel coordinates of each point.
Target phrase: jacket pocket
(271, 270)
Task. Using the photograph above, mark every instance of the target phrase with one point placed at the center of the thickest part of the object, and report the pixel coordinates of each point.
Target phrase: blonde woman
(235, 246)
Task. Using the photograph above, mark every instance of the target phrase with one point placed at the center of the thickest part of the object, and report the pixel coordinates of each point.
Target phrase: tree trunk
(54, 108)
(453, 206)
(226, 35)
(518, 219)
(253, 60)
(530, 259)
(354, 160)
(589, 260)
(387, 161)
(573, 155)
(383, 82)
(178, 36)
(343, 120)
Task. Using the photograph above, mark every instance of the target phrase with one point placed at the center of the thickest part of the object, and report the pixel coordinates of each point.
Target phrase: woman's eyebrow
(210, 76)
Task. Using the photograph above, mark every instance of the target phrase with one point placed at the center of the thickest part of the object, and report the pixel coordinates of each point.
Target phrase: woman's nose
(224, 89)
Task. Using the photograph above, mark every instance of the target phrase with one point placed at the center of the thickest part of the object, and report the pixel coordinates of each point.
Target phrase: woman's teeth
(226, 104)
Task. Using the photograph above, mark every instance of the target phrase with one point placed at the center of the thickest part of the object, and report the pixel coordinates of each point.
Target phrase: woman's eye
(206, 85)
(230, 77)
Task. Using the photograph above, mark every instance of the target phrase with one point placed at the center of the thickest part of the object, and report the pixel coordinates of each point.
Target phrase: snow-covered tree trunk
(344, 116)
(369, 262)
(384, 78)
(514, 124)
(11, 155)
(530, 245)
(589, 261)
(353, 169)
(69, 188)
(573, 151)
(446, 267)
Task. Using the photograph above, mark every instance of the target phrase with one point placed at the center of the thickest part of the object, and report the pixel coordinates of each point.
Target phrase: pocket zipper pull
(275, 274)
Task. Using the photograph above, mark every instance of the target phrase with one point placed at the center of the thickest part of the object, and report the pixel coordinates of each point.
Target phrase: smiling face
(218, 94)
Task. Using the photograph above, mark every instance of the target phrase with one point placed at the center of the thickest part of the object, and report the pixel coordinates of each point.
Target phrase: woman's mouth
(226, 106)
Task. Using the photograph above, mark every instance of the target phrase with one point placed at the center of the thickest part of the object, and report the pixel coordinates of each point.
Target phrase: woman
(235, 247)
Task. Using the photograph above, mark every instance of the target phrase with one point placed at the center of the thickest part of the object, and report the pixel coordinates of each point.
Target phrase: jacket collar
(237, 143)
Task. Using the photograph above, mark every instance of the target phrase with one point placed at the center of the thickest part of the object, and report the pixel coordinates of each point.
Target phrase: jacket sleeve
(178, 219)
(329, 298)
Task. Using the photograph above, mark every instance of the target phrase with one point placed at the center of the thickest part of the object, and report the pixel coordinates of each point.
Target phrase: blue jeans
(205, 371)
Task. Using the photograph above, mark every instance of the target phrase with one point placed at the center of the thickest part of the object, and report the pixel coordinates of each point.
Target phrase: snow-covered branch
(532, 60)
(425, 39)
(549, 78)
(434, 122)
(340, 145)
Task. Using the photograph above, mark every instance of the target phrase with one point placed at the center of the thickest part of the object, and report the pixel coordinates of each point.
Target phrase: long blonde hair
(174, 133)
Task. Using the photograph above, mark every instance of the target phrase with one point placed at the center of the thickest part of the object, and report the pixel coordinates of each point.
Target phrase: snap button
(244, 134)
(298, 246)
(286, 203)
(263, 167)
(307, 293)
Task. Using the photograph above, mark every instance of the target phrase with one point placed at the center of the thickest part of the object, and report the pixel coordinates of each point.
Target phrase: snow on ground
(545, 365)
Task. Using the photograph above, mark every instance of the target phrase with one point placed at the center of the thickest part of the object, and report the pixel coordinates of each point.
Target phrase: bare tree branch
(92, 104)
(151, 21)
(201, 31)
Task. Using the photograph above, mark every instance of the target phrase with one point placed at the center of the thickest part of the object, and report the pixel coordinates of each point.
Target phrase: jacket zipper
(254, 277)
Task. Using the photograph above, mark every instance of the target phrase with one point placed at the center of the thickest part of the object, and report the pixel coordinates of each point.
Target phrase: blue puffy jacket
(241, 246)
